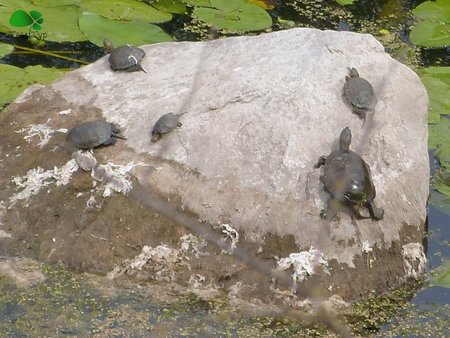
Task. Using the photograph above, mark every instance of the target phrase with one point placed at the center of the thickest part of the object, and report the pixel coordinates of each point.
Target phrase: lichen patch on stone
(85, 159)
(42, 131)
(37, 178)
(115, 177)
(229, 239)
(414, 259)
(191, 244)
(161, 260)
(303, 263)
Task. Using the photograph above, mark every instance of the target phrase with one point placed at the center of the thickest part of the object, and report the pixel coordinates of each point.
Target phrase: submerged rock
(257, 114)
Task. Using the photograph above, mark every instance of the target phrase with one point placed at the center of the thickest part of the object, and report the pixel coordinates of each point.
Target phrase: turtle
(348, 180)
(359, 92)
(93, 134)
(127, 58)
(164, 125)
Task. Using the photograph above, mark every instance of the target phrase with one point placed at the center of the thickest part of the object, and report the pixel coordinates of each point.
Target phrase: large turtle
(348, 180)
(127, 58)
(164, 125)
(359, 93)
(93, 134)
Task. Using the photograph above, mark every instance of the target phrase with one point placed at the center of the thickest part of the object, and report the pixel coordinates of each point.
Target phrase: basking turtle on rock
(164, 125)
(348, 180)
(127, 58)
(93, 134)
(359, 92)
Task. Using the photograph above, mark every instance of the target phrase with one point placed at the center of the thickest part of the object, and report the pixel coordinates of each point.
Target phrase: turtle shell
(126, 58)
(359, 92)
(347, 178)
(90, 134)
(166, 123)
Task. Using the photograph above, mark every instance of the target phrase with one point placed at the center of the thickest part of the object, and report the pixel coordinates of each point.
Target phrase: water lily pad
(5, 49)
(170, 6)
(134, 32)
(234, 15)
(345, 2)
(204, 3)
(433, 27)
(125, 10)
(265, 4)
(443, 154)
(439, 134)
(439, 139)
(57, 3)
(15, 80)
(443, 277)
(437, 82)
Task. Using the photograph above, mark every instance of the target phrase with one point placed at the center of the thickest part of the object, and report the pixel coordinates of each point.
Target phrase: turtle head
(345, 139)
(115, 132)
(108, 45)
(353, 72)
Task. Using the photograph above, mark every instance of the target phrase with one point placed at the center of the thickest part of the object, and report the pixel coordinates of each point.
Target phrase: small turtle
(164, 125)
(127, 58)
(93, 134)
(348, 180)
(359, 93)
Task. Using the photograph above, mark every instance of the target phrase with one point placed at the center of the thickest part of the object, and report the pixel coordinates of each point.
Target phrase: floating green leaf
(264, 4)
(439, 133)
(170, 6)
(433, 28)
(437, 82)
(61, 23)
(134, 32)
(204, 3)
(125, 10)
(439, 139)
(57, 3)
(443, 277)
(234, 15)
(443, 154)
(15, 80)
(5, 49)
(345, 2)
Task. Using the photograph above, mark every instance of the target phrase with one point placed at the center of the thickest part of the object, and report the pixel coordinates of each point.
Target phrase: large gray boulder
(258, 112)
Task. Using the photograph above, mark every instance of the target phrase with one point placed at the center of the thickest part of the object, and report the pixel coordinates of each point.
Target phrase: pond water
(77, 307)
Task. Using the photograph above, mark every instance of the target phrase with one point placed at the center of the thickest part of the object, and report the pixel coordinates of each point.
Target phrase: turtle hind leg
(156, 137)
(375, 213)
(361, 112)
(330, 212)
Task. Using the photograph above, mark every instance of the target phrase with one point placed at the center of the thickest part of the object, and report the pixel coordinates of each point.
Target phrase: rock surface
(258, 112)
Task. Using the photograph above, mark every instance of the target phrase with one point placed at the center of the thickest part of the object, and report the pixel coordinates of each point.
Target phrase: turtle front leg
(321, 162)
(136, 68)
(375, 213)
(110, 142)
